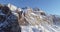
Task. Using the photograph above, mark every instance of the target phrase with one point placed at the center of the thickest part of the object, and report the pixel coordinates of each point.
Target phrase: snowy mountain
(27, 20)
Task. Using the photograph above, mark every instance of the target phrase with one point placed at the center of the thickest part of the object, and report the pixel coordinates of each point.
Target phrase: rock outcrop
(8, 21)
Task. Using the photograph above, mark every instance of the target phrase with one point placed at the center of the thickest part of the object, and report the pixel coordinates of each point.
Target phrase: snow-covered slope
(44, 22)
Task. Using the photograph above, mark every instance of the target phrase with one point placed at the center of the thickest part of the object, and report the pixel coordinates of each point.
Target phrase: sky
(49, 6)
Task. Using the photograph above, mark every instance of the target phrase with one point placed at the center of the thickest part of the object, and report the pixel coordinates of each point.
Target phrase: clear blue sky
(49, 6)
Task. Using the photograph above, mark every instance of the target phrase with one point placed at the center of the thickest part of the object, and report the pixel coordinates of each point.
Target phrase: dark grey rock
(8, 21)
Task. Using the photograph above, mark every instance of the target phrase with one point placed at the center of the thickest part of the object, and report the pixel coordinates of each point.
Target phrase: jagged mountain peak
(27, 20)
